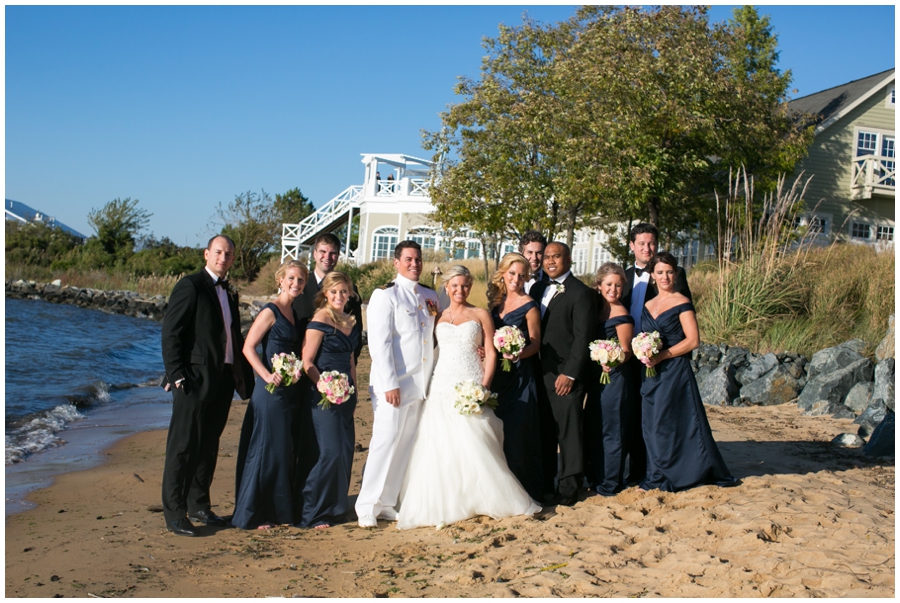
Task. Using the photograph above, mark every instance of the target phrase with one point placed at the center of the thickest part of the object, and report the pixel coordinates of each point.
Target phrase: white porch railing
(296, 238)
(873, 174)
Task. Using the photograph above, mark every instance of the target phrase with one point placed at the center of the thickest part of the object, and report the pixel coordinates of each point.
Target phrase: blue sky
(186, 107)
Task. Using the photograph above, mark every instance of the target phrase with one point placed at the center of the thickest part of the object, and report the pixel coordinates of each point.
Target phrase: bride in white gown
(457, 469)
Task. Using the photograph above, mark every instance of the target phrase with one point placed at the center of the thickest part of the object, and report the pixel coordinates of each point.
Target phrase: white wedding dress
(457, 469)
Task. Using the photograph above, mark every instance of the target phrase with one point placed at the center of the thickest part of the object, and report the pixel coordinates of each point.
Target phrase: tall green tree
(764, 138)
(117, 224)
(250, 222)
(619, 114)
(254, 222)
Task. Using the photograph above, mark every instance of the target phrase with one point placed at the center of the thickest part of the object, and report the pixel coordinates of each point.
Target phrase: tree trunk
(570, 226)
(653, 209)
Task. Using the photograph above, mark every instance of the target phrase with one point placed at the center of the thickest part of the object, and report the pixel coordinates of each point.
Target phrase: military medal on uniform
(432, 307)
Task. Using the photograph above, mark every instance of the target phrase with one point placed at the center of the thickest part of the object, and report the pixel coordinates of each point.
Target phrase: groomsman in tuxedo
(569, 314)
(401, 317)
(326, 251)
(201, 348)
(638, 290)
(531, 245)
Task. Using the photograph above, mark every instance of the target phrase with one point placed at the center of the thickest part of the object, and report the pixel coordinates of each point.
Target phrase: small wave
(92, 395)
(38, 432)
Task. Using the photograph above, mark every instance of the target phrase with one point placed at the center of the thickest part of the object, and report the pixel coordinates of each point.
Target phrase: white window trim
(890, 100)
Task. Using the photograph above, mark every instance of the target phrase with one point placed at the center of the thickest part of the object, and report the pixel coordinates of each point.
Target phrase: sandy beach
(808, 519)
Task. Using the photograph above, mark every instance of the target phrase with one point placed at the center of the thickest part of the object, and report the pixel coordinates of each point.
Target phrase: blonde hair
(331, 279)
(282, 270)
(607, 269)
(496, 288)
(454, 271)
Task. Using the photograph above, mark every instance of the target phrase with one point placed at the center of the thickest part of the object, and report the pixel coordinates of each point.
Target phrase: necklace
(454, 316)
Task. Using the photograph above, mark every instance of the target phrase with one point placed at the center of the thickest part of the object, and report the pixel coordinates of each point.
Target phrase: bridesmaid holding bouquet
(681, 451)
(608, 401)
(517, 404)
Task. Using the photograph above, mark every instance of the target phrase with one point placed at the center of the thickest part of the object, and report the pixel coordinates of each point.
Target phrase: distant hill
(23, 213)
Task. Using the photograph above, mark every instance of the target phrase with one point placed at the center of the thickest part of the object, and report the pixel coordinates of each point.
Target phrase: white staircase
(297, 238)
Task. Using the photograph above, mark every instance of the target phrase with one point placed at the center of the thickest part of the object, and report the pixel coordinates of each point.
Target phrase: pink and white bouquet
(647, 345)
(472, 396)
(335, 388)
(607, 352)
(509, 341)
(289, 367)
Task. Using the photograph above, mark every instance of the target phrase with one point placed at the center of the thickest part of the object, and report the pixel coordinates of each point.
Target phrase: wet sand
(808, 519)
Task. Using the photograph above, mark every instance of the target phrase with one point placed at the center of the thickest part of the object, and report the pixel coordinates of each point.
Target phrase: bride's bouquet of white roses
(472, 396)
(288, 366)
(607, 352)
(335, 388)
(509, 341)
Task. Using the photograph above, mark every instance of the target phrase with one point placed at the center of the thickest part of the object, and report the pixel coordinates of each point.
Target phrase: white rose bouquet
(645, 346)
(471, 397)
(607, 352)
(510, 342)
(335, 388)
(289, 367)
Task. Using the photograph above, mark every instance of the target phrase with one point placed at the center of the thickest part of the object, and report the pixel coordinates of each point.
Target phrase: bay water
(76, 380)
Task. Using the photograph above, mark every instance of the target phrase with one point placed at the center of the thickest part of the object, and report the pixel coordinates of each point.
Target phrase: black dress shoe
(568, 501)
(206, 517)
(182, 527)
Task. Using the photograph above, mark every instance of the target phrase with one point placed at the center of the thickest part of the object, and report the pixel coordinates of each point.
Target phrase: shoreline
(79, 451)
(808, 519)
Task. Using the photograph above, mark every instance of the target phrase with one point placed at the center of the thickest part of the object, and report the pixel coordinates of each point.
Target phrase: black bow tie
(639, 271)
(555, 283)
(222, 283)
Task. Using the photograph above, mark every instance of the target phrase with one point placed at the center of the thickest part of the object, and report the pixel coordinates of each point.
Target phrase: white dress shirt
(550, 291)
(226, 315)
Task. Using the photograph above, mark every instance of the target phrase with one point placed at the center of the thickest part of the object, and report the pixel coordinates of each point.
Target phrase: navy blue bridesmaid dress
(681, 451)
(266, 463)
(605, 415)
(328, 448)
(517, 407)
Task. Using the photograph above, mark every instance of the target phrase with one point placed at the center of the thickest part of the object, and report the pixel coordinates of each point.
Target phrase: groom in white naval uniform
(400, 319)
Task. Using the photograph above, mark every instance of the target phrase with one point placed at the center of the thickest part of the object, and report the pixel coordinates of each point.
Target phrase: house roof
(830, 105)
(16, 210)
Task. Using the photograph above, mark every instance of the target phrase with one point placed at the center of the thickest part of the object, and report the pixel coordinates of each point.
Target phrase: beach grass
(115, 280)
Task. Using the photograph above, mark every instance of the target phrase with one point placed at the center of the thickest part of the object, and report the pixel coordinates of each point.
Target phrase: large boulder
(834, 385)
(777, 386)
(882, 441)
(884, 383)
(832, 359)
(821, 408)
(719, 387)
(756, 368)
(869, 419)
(736, 357)
(885, 349)
(859, 397)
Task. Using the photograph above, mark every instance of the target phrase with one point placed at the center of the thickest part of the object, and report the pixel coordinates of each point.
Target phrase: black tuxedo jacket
(193, 338)
(305, 306)
(681, 286)
(567, 328)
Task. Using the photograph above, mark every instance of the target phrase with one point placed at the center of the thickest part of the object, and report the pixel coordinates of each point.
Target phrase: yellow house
(851, 161)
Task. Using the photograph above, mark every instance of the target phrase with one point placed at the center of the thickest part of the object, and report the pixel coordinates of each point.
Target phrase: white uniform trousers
(393, 436)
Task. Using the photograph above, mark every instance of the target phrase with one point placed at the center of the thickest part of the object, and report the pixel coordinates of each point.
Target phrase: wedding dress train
(457, 469)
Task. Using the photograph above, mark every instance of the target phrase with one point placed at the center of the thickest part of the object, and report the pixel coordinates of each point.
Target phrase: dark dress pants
(192, 448)
(634, 434)
(567, 414)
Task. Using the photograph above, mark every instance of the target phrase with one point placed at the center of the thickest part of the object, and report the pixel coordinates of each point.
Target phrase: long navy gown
(605, 416)
(328, 450)
(517, 407)
(681, 451)
(266, 463)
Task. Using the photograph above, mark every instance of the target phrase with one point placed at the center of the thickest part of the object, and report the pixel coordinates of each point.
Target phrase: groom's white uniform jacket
(401, 339)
